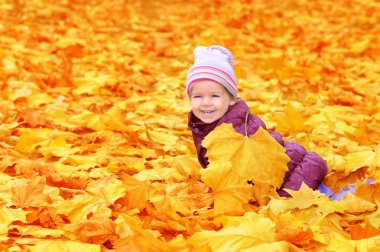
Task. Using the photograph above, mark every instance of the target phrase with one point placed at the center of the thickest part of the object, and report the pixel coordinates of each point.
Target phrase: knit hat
(212, 63)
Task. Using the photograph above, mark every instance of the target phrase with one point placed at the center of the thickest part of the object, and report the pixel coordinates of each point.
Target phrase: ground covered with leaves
(95, 154)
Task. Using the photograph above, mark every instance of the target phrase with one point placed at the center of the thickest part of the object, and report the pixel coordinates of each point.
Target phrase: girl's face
(209, 100)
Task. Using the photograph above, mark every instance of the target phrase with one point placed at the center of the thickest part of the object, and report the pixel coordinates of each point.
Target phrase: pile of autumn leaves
(95, 154)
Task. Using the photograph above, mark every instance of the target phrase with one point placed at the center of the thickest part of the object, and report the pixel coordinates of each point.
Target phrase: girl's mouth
(207, 111)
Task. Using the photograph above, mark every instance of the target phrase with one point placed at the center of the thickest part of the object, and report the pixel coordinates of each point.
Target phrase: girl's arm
(305, 166)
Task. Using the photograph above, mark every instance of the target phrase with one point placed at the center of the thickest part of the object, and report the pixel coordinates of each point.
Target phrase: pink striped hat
(212, 63)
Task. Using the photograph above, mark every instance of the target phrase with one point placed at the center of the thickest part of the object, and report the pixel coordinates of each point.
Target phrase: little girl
(212, 88)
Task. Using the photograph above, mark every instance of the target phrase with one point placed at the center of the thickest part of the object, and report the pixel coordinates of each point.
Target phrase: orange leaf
(369, 192)
(96, 230)
(359, 232)
(29, 193)
(290, 228)
(137, 192)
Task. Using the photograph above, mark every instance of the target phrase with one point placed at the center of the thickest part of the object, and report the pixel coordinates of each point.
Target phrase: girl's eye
(196, 96)
(215, 95)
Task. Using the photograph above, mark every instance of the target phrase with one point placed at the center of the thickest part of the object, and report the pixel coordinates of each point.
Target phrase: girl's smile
(209, 100)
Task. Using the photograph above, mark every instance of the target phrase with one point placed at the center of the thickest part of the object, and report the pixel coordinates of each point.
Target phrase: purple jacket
(304, 166)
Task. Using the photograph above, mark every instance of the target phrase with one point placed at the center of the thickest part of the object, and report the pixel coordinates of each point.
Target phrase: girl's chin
(206, 119)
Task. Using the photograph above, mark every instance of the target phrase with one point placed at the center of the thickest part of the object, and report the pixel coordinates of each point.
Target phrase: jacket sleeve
(304, 166)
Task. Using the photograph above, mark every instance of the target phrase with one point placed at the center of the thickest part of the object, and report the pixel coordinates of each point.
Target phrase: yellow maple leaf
(64, 246)
(252, 230)
(110, 189)
(356, 160)
(110, 120)
(229, 189)
(169, 207)
(161, 174)
(38, 99)
(356, 205)
(5, 128)
(80, 206)
(360, 46)
(304, 198)
(291, 121)
(188, 166)
(339, 243)
(30, 139)
(58, 147)
(8, 215)
(93, 84)
(258, 158)
(39, 232)
(161, 137)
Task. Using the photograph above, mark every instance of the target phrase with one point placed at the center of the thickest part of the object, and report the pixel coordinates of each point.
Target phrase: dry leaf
(94, 148)
(258, 158)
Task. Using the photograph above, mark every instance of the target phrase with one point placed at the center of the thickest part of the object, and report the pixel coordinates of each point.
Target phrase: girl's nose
(206, 101)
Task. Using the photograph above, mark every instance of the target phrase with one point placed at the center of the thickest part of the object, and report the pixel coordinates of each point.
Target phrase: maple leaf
(187, 166)
(340, 243)
(160, 137)
(40, 99)
(112, 119)
(80, 206)
(37, 231)
(46, 217)
(64, 246)
(169, 208)
(33, 118)
(228, 188)
(291, 121)
(356, 205)
(110, 189)
(5, 128)
(29, 140)
(29, 193)
(93, 84)
(252, 230)
(137, 192)
(58, 147)
(292, 229)
(193, 194)
(359, 232)
(135, 238)
(108, 93)
(258, 158)
(95, 230)
(368, 192)
(7, 161)
(160, 174)
(305, 198)
(8, 215)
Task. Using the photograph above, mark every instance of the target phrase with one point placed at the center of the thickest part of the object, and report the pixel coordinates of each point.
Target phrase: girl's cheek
(194, 103)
